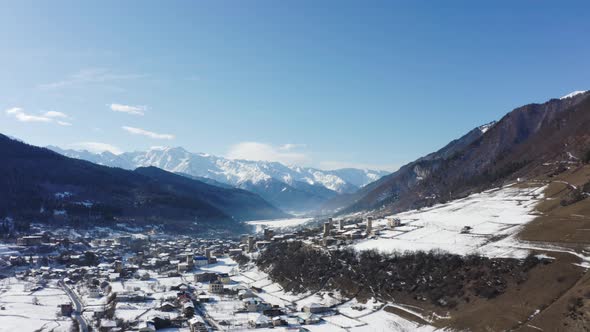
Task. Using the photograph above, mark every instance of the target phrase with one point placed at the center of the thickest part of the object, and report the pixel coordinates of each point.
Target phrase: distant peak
(175, 149)
(573, 94)
(158, 148)
(486, 127)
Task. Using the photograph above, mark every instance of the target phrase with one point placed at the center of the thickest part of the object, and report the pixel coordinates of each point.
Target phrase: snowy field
(25, 310)
(279, 223)
(495, 217)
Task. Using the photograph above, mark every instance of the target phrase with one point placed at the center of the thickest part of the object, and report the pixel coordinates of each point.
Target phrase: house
(262, 244)
(235, 252)
(180, 287)
(201, 260)
(279, 321)
(353, 234)
(216, 287)
(107, 325)
(308, 318)
(184, 267)
(224, 278)
(205, 277)
(245, 293)
(66, 309)
(393, 222)
(261, 322)
(203, 298)
(94, 292)
(32, 240)
(167, 306)
(252, 304)
(197, 324)
(273, 312)
(315, 308)
(188, 309)
(146, 326)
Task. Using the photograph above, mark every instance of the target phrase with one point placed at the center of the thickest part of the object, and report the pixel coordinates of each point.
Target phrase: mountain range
(291, 188)
(530, 141)
(39, 184)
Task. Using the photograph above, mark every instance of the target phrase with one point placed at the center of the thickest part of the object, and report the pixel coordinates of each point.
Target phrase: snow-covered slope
(280, 184)
(485, 223)
(573, 94)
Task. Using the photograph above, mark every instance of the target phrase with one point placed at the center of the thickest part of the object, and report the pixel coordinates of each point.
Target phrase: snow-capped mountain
(289, 187)
(573, 94)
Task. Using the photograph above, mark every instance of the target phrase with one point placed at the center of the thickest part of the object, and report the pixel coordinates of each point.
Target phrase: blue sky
(320, 83)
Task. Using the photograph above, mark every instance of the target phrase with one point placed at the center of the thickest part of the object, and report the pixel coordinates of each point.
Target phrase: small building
(167, 306)
(184, 267)
(273, 312)
(188, 309)
(245, 293)
(203, 299)
(224, 278)
(279, 321)
(216, 287)
(251, 243)
(197, 324)
(31, 240)
(393, 222)
(261, 322)
(205, 276)
(308, 318)
(369, 227)
(146, 326)
(107, 325)
(315, 308)
(252, 304)
(201, 260)
(262, 244)
(235, 252)
(66, 309)
(268, 234)
(353, 234)
(94, 292)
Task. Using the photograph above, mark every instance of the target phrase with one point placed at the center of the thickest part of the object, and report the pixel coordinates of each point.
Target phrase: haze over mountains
(290, 188)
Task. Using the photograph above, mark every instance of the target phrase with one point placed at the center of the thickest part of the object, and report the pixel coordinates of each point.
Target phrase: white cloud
(20, 115)
(267, 152)
(55, 114)
(96, 147)
(151, 134)
(135, 110)
(48, 117)
(291, 146)
(90, 75)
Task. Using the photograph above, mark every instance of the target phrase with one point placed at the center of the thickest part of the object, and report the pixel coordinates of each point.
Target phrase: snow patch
(573, 94)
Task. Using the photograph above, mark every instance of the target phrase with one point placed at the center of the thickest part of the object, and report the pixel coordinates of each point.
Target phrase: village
(149, 281)
(142, 279)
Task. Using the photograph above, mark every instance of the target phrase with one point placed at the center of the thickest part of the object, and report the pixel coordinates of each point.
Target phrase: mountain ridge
(40, 184)
(303, 188)
(510, 147)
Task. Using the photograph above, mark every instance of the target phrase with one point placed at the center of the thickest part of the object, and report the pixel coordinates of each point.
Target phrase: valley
(294, 166)
(489, 233)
